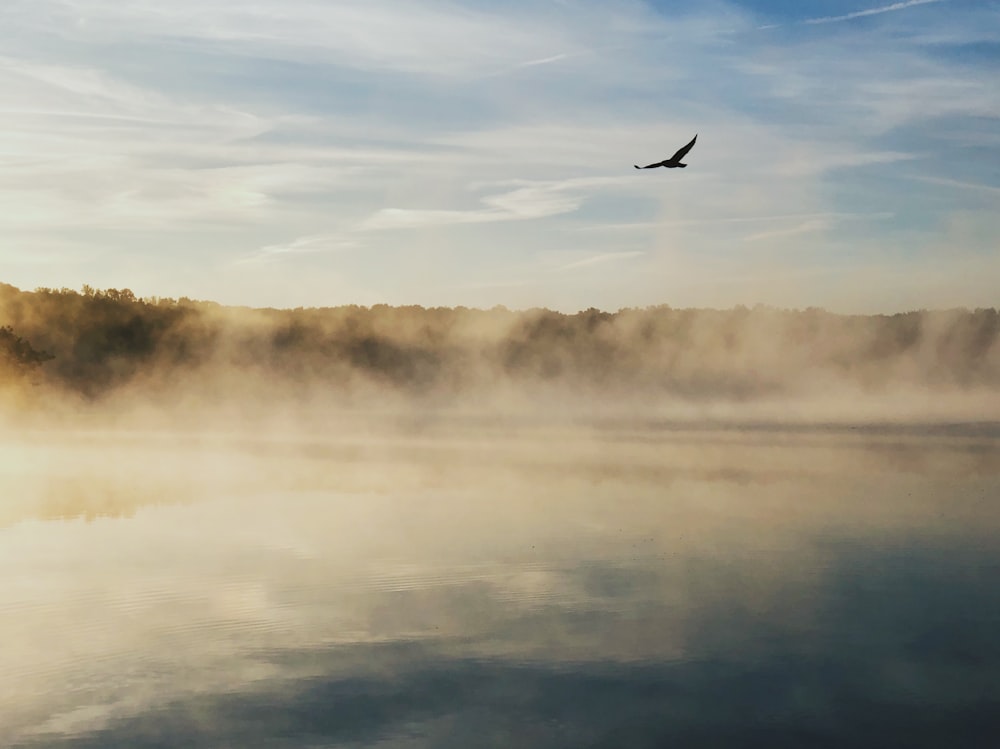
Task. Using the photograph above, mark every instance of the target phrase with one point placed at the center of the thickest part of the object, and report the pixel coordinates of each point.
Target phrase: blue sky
(442, 152)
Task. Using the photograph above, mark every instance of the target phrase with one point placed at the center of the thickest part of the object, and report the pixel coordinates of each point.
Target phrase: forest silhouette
(93, 342)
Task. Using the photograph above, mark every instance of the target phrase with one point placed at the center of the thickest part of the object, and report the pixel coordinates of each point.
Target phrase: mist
(438, 527)
(111, 352)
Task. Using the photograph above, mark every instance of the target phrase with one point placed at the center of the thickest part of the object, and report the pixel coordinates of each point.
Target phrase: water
(489, 585)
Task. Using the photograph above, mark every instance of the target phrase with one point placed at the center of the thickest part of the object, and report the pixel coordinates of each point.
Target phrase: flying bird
(673, 161)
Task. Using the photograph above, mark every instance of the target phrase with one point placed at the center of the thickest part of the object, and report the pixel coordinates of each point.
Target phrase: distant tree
(120, 295)
(17, 354)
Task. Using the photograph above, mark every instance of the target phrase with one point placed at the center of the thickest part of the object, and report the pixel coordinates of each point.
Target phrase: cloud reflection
(751, 587)
(899, 646)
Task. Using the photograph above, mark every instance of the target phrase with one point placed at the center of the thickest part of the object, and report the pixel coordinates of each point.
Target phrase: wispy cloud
(802, 217)
(508, 284)
(543, 61)
(812, 224)
(53, 92)
(314, 243)
(433, 37)
(811, 162)
(603, 259)
(806, 227)
(279, 130)
(960, 184)
(533, 200)
(519, 205)
(871, 11)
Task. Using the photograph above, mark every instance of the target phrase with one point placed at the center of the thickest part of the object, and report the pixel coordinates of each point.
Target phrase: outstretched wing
(681, 153)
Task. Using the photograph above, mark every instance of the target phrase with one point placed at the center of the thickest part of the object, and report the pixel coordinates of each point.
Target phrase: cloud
(543, 60)
(871, 11)
(507, 284)
(551, 650)
(960, 184)
(314, 243)
(818, 162)
(534, 200)
(646, 225)
(814, 223)
(514, 206)
(58, 96)
(237, 127)
(806, 227)
(904, 99)
(607, 257)
(432, 38)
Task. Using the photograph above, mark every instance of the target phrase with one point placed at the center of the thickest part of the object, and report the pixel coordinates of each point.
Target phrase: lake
(484, 583)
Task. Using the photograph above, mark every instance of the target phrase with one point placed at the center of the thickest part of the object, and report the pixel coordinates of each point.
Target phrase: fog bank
(127, 355)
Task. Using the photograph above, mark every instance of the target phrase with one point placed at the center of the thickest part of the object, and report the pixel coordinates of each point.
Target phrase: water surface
(483, 584)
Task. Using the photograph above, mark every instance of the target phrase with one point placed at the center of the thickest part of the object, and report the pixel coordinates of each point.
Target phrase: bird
(673, 161)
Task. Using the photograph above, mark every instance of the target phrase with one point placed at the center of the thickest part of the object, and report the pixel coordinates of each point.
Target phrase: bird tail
(637, 166)
(682, 166)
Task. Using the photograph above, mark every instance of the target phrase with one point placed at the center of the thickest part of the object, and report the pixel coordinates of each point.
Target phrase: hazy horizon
(108, 351)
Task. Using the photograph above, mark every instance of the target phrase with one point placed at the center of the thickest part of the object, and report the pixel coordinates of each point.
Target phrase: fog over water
(537, 537)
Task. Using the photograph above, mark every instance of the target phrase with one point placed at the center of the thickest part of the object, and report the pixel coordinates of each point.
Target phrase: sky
(295, 153)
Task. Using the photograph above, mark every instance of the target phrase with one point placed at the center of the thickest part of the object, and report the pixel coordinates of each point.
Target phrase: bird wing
(682, 152)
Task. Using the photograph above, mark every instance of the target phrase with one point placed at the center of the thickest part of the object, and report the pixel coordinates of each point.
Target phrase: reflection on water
(486, 586)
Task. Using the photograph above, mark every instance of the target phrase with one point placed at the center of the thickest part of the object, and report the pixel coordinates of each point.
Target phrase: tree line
(94, 341)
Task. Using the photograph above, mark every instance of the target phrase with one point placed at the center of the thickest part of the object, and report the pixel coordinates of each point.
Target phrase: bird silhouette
(673, 161)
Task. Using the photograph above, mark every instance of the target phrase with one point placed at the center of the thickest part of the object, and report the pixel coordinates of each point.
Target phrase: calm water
(483, 586)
